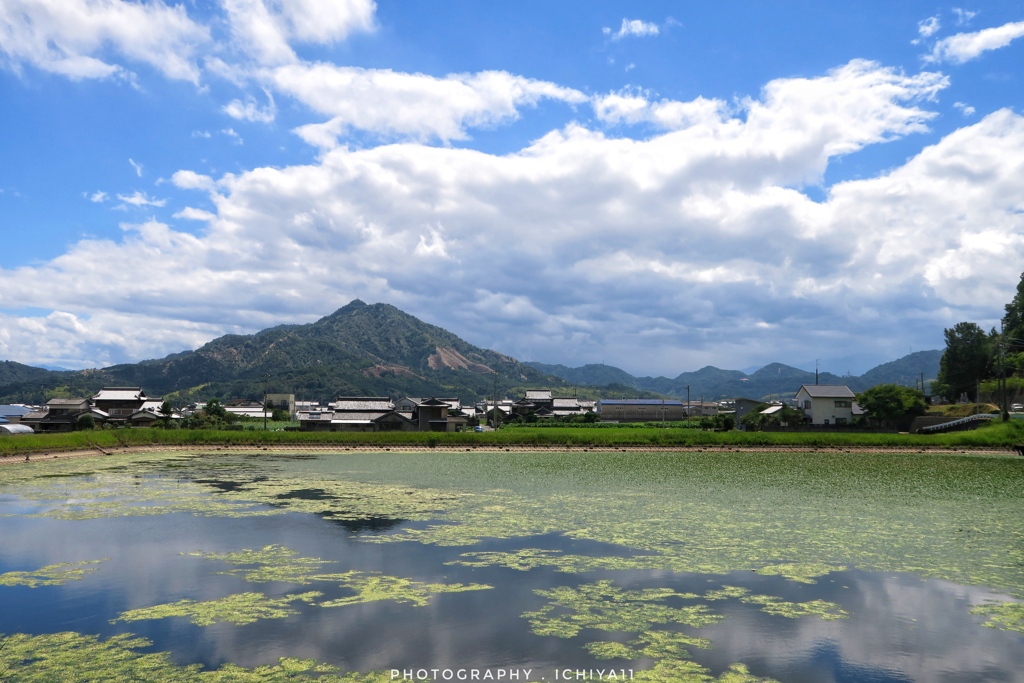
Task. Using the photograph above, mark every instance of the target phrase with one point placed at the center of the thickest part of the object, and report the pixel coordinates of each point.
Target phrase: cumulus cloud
(190, 180)
(192, 214)
(266, 30)
(98, 197)
(632, 27)
(81, 38)
(414, 106)
(963, 17)
(963, 47)
(249, 110)
(965, 109)
(139, 198)
(692, 244)
(928, 27)
(797, 124)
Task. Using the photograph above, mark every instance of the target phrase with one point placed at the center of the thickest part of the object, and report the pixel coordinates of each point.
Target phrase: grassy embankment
(997, 436)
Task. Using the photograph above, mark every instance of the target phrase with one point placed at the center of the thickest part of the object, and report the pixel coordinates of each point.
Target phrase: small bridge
(969, 422)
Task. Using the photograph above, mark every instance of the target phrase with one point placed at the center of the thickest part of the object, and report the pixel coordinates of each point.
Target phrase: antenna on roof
(816, 361)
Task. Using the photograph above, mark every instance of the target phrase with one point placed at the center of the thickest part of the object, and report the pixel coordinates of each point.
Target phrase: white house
(826, 404)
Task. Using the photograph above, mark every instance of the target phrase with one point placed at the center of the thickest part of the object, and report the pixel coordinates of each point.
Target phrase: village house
(59, 415)
(357, 414)
(119, 403)
(826, 404)
(640, 410)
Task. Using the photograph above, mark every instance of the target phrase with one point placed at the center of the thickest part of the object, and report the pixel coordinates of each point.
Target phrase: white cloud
(139, 198)
(963, 47)
(805, 121)
(928, 27)
(965, 109)
(79, 38)
(192, 214)
(266, 30)
(963, 17)
(249, 110)
(409, 105)
(98, 197)
(632, 106)
(190, 180)
(137, 167)
(632, 27)
(662, 254)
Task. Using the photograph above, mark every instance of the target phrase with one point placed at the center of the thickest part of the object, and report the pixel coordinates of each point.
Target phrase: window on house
(842, 404)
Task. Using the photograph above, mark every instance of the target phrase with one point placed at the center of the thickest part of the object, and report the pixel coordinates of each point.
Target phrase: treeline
(976, 360)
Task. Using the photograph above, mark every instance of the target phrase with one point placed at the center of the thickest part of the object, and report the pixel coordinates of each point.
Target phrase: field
(996, 436)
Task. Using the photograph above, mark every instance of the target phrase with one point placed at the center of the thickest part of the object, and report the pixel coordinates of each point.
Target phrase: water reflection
(900, 628)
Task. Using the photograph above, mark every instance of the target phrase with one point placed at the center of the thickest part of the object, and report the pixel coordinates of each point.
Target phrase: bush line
(994, 436)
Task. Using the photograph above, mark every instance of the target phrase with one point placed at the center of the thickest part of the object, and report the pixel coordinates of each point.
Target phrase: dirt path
(324, 449)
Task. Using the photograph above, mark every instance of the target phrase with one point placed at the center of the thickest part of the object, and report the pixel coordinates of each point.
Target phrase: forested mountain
(358, 350)
(774, 380)
(378, 350)
(11, 372)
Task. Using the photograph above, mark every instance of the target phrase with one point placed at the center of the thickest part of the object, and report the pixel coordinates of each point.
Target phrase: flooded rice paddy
(513, 566)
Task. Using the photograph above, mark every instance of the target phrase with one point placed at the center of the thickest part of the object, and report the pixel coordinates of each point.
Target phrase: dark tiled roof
(639, 402)
(827, 391)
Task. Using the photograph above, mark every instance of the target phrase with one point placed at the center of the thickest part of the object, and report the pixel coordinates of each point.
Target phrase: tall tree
(966, 361)
(1013, 321)
(1013, 330)
(889, 403)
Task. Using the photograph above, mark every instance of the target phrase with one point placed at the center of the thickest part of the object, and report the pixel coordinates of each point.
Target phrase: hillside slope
(359, 349)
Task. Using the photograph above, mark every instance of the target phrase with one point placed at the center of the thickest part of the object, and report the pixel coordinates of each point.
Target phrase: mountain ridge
(775, 380)
(377, 349)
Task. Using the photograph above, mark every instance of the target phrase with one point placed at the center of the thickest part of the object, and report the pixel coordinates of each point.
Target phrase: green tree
(215, 410)
(892, 402)
(166, 411)
(85, 422)
(1013, 322)
(966, 361)
(1013, 329)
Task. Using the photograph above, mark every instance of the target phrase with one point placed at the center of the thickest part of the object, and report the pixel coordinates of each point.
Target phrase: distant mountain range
(772, 381)
(378, 350)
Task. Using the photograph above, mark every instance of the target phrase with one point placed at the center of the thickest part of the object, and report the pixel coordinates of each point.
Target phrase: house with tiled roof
(640, 410)
(826, 404)
(120, 402)
(58, 415)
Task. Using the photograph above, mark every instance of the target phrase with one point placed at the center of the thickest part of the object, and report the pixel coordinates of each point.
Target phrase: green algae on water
(606, 607)
(71, 657)
(801, 572)
(273, 563)
(238, 609)
(278, 563)
(1005, 616)
(823, 609)
(656, 644)
(372, 587)
(51, 575)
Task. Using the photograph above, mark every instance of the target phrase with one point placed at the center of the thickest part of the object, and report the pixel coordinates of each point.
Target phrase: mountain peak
(348, 309)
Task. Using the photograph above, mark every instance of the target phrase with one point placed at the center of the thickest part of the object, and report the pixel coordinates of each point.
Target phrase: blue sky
(659, 186)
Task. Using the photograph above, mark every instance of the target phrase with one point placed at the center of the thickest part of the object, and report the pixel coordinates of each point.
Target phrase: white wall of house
(826, 410)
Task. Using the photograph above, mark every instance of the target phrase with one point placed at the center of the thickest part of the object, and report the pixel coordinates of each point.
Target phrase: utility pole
(265, 378)
(1002, 373)
(687, 405)
(495, 400)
